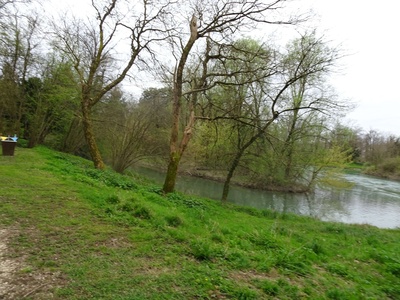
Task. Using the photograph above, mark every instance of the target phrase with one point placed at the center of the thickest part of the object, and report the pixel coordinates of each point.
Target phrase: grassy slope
(108, 237)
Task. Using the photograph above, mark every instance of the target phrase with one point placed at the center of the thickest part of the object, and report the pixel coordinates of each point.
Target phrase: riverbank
(378, 172)
(220, 176)
(383, 175)
(71, 232)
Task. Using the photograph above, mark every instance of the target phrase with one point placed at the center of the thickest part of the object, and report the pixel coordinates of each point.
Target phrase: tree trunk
(90, 138)
(228, 178)
(177, 152)
(172, 172)
(176, 149)
(288, 147)
(239, 155)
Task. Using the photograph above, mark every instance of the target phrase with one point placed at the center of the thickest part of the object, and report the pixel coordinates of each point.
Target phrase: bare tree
(97, 46)
(132, 129)
(7, 5)
(217, 22)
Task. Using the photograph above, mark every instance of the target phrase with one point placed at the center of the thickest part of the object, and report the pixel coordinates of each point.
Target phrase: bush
(390, 165)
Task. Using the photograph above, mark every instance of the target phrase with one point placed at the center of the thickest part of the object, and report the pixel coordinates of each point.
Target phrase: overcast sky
(369, 31)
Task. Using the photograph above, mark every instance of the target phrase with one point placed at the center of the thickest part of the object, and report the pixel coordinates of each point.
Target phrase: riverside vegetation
(82, 233)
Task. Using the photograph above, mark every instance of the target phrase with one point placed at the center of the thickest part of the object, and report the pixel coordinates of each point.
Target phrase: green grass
(355, 168)
(101, 235)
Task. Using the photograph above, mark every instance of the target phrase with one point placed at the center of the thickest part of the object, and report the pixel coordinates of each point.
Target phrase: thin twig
(34, 290)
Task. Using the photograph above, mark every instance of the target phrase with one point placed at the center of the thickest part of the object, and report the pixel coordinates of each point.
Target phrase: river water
(370, 200)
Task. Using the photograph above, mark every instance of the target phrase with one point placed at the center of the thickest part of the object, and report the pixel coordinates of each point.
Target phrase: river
(370, 200)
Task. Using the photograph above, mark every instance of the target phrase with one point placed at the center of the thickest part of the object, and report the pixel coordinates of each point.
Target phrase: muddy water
(369, 201)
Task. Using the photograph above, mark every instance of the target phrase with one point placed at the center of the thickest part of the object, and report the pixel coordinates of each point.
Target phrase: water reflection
(370, 201)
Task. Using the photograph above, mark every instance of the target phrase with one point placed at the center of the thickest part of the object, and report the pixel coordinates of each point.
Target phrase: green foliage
(50, 104)
(22, 143)
(337, 294)
(246, 294)
(126, 207)
(337, 268)
(202, 250)
(394, 268)
(293, 261)
(389, 166)
(270, 288)
(114, 199)
(174, 221)
(264, 240)
(111, 179)
(317, 247)
(182, 200)
(238, 259)
(141, 212)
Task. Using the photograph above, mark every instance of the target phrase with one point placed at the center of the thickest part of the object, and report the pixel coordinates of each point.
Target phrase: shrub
(390, 165)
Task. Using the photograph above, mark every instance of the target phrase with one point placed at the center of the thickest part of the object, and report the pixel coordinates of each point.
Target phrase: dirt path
(8, 267)
(17, 278)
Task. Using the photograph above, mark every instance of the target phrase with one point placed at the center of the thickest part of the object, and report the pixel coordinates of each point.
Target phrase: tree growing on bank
(314, 108)
(209, 26)
(104, 49)
(289, 87)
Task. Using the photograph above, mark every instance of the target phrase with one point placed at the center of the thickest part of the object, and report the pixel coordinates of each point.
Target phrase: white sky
(369, 32)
